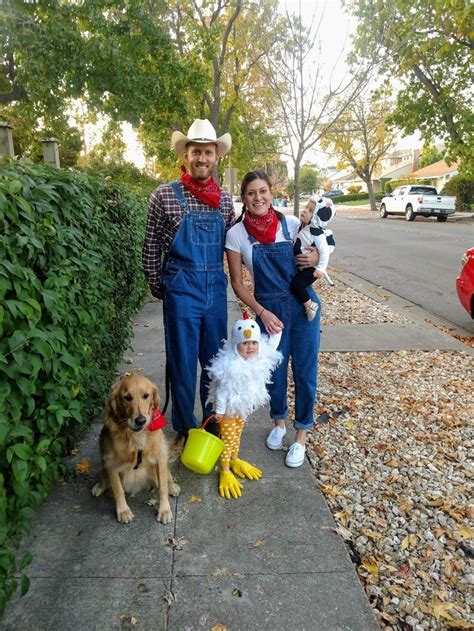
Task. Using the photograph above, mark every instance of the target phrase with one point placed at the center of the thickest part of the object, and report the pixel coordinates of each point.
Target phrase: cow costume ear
(325, 213)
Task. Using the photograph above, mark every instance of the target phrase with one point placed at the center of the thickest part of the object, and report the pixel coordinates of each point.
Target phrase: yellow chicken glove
(229, 485)
(245, 469)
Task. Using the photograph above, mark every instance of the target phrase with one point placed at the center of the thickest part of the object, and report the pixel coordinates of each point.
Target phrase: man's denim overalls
(273, 268)
(195, 301)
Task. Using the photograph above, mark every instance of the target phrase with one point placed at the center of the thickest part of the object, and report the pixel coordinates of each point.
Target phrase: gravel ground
(392, 453)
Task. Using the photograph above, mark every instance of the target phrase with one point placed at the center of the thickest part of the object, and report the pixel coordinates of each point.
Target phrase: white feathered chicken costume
(237, 388)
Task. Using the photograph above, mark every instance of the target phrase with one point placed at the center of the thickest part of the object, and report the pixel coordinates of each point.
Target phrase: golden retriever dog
(133, 458)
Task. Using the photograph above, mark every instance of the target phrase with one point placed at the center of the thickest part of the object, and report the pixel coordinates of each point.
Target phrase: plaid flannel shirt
(164, 216)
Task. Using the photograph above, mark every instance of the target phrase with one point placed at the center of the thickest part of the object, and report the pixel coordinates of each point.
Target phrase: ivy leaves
(68, 289)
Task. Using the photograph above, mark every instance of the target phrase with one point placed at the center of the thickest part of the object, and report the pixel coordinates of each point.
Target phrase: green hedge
(463, 188)
(355, 197)
(125, 174)
(70, 281)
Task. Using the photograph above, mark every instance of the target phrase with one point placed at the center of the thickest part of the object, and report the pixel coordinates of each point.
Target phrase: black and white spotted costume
(317, 234)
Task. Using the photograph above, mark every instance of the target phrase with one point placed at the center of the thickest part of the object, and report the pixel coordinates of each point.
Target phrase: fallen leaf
(194, 498)
(371, 534)
(370, 565)
(328, 490)
(459, 624)
(133, 620)
(219, 627)
(169, 597)
(440, 610)
(344, 532)
(177, 543)
(465, 532)
(258, 543)
(82, 468)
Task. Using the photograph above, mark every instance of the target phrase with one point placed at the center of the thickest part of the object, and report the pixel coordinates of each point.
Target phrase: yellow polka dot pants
(230, 432)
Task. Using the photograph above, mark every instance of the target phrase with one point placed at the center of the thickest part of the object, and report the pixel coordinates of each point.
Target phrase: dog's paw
(97, 489)
(124, 516)
(173, 488)
(164, 514)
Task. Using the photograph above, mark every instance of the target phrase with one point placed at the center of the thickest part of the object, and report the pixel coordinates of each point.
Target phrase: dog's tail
(175, 448)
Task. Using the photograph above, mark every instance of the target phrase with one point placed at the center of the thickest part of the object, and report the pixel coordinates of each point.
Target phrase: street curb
(402, 306)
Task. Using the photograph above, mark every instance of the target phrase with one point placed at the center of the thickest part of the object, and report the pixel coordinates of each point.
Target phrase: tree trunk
(370, 190)
(296, 203)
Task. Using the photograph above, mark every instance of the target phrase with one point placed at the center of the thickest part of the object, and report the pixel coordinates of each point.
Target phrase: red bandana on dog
(157, 422)
(208, 193)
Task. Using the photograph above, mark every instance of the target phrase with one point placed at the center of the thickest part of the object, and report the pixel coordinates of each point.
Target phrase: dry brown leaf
(343, 517)
(219, 627)
(465, 532)
(459, 624)
(177, 543)
(371, 534)
(82, 468)
(370, 564)
(258, 543)
(425, 608)
(169, 597)
(440, 609)
(344, 532)
(330, 490)
(194, 498)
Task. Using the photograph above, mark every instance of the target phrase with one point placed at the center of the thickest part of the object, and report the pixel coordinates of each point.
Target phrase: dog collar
(158, 421)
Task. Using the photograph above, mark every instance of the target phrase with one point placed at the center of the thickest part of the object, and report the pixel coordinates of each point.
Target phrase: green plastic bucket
(201, 451)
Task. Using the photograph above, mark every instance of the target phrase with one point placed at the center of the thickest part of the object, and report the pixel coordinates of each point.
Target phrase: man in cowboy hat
(183, 264)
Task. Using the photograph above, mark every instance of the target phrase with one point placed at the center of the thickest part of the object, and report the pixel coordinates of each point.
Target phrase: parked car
(305, 195)
(417, 199)
(465, 282)
(334, 193)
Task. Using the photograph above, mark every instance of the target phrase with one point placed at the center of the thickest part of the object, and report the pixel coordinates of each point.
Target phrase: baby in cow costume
(239, 375)
(315, 217)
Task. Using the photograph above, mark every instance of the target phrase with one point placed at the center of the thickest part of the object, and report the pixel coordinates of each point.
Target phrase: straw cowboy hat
(201, 131)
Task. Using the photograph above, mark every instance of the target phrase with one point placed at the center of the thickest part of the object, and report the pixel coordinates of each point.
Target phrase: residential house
(395, 165)
(438, 173)
(392, 166)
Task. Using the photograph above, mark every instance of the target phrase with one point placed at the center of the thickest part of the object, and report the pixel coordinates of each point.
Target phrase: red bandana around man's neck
(208, 193)
(263, 227)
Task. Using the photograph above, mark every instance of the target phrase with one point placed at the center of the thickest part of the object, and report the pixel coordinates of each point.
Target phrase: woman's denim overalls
(195, 301)
(274, 267)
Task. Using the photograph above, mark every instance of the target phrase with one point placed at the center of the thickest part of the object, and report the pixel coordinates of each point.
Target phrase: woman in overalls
(263, 241)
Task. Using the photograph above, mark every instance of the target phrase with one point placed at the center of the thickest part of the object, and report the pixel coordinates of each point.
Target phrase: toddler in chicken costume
(239, 375)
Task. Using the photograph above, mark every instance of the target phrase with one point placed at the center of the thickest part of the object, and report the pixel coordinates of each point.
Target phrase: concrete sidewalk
(269, 560)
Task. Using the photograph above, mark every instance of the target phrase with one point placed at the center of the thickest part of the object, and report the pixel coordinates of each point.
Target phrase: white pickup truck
(417, 199)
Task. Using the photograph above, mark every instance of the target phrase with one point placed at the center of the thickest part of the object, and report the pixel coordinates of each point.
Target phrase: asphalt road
(417, 260)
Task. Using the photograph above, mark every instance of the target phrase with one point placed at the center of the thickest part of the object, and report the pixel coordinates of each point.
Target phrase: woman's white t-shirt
(237, 239)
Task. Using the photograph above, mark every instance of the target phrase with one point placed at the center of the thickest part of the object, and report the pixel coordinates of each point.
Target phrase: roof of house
(437, 169)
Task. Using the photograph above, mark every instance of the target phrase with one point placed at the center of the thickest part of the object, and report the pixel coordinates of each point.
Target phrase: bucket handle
(207, 421)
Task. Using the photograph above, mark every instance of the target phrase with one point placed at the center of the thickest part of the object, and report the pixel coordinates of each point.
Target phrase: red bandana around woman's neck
(208, 193)
(262, 227)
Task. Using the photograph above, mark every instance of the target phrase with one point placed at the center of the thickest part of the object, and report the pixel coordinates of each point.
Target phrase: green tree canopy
(429, 155)
(309, 178)
(361, 136)
(427, 45)
(116, 56)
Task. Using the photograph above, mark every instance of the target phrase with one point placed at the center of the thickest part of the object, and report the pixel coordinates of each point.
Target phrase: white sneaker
(274, 438)
(295, 455)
